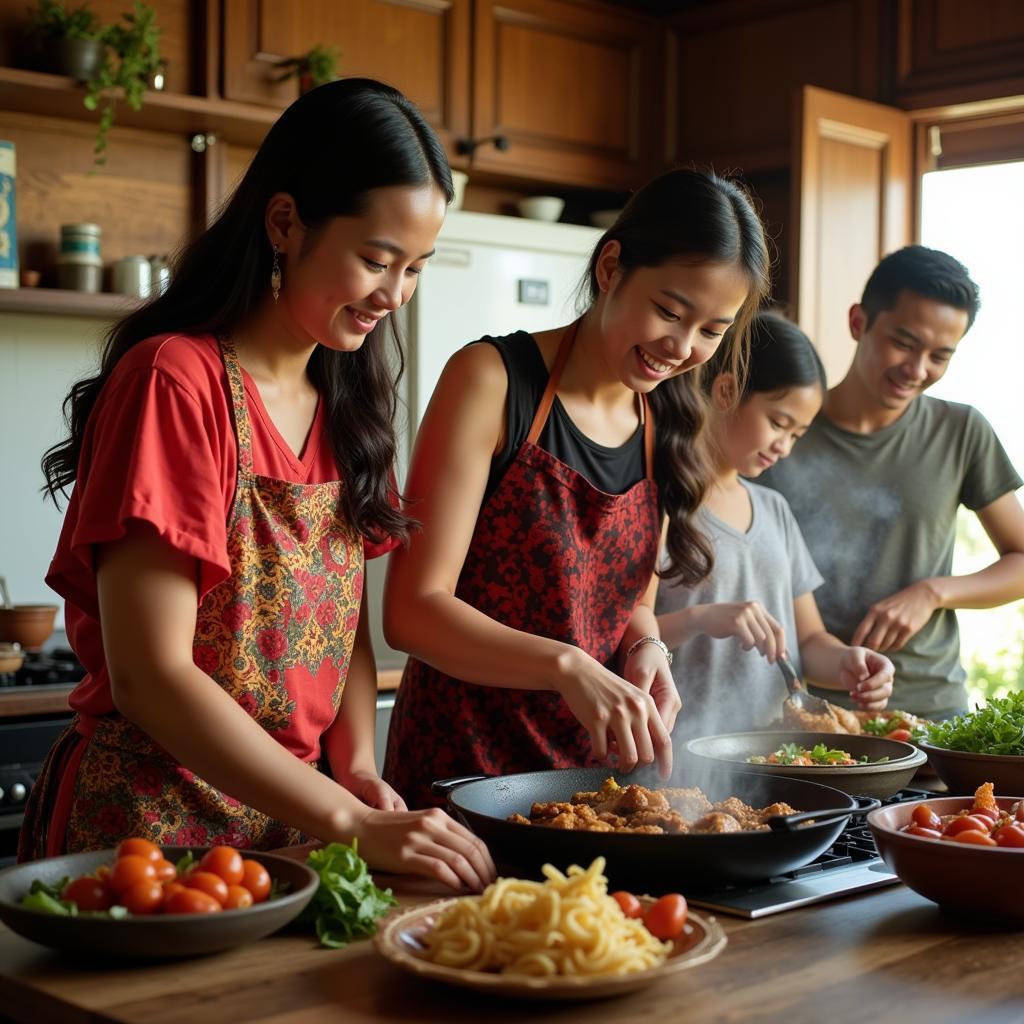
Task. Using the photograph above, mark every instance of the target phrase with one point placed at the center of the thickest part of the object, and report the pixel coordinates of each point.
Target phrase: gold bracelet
(648, 640)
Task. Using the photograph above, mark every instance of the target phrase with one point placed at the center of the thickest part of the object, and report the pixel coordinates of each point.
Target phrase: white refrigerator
(489, 275)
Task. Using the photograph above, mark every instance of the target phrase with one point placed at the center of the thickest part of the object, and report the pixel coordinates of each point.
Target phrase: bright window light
(977, 215)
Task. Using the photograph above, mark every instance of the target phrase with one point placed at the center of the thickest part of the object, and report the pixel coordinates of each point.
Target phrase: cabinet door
(419, 46)
(852, 204)
(572, 86)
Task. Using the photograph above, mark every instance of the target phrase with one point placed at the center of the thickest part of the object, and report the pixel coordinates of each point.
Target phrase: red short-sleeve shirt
(160, 447)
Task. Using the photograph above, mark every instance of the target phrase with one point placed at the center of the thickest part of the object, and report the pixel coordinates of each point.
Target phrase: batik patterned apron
(277, 635)
(551, 555)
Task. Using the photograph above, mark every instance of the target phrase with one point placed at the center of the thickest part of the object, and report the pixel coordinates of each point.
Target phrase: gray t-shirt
(878, 512)
(723, 687)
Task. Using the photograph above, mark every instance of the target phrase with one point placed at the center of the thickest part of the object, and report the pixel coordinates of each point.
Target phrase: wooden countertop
(886, 955)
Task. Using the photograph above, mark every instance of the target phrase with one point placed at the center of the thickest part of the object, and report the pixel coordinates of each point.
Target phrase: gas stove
(57, 667)
(852, 864)
(25, 739)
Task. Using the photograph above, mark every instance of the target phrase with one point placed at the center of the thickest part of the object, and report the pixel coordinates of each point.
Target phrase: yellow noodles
(566, 925)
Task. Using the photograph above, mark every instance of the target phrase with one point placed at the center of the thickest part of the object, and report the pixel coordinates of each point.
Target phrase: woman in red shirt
(232, 469)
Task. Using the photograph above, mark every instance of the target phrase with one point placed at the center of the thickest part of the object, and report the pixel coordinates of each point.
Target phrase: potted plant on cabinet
(64, 42)
(131, 57)
(315, 67)
(127, 56)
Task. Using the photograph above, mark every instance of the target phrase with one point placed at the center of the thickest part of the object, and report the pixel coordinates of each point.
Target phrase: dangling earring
(275, 274)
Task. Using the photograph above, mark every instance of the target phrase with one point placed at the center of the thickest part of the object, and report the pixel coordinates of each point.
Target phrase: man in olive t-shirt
(876, 482)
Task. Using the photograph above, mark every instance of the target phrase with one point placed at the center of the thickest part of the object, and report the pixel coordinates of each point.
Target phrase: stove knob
(18, 792)
(2, 794)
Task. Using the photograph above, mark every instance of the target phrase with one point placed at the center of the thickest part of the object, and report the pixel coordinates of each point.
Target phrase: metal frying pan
(651, 863)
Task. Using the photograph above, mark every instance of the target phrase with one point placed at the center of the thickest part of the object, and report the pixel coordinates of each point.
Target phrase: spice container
(79, 264)
(132, 276)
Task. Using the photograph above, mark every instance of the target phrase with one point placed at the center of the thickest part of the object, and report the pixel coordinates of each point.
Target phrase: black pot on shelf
(79, 59)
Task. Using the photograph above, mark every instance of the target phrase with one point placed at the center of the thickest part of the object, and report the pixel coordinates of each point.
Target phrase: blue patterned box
(8, 222)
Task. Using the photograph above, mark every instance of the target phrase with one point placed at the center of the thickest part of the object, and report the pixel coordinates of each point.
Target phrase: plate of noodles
(564, 938)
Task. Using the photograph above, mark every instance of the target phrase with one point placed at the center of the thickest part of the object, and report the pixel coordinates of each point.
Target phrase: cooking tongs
(798, 692)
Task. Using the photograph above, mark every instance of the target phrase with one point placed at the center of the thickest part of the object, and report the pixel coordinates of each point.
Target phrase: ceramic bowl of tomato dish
(956, 856)
(149, 936)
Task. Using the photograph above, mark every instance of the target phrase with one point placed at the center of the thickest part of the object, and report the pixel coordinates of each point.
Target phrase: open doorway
(976, 214)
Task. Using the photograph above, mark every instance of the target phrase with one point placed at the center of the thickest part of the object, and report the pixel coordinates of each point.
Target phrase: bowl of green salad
(983, 745)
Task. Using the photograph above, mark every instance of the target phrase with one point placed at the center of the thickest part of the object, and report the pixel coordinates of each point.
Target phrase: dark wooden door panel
(574, 87)
(419, 46)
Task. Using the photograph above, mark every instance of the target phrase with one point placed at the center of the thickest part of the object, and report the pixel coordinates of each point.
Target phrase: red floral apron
(277, 635)
(550, 555)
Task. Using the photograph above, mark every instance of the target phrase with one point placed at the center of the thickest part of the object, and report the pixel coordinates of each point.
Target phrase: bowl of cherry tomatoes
(964, 853)
(141, 900)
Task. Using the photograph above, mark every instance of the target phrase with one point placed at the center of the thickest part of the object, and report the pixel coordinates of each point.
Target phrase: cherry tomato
(88, 894)
(136, 847)
(924, 816)
(898, 734)
(142, 897)
(992, 813)
(974, 837)
(1018, 810)
(630, 905)
(665, 917)
(256, 879)
(129, 870)
(190, 901)
(224, 861)
(238, 898)
(967, 823)
(1010, 835)
(924, 833)
(206, 881)
(165, 871)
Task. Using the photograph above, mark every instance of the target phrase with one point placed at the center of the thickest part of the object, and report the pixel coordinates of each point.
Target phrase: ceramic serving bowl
(152, 935)
(12, 657)
(27, 624)
(964, 772)
(880, 778)
(547, 208)
(978, 880)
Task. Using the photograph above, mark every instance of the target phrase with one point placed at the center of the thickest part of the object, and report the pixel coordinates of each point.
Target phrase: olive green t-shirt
(878, 512)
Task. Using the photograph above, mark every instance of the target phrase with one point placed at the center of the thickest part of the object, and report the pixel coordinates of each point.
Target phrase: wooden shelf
(33, 92)
(57, 302)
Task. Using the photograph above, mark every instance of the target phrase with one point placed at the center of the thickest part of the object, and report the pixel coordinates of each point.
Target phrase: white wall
(40, 357)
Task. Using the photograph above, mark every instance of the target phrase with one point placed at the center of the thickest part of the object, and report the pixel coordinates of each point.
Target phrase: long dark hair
(694, 217)
(781, 357)
(328, 150)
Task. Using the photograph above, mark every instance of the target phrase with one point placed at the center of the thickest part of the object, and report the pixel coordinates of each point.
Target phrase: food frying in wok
(637, 809)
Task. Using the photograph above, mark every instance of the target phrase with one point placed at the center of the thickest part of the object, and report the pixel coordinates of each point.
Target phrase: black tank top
(612, 470)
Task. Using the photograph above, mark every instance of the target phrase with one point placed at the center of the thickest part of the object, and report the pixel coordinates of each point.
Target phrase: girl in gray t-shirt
(761, 589)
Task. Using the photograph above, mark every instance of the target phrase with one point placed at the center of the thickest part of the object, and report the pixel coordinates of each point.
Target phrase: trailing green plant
(314, 67)
(50, 19)
(130, 56)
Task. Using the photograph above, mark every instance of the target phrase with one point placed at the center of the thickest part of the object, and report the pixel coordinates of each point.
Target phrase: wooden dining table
(884, 955)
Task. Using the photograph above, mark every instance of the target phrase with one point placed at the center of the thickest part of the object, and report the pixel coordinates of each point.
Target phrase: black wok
(650, 863)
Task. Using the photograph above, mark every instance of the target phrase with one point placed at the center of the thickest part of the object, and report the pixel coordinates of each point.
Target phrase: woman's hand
(868, 676)
(610, 708)
(373, 791)
(749, 622)
(427, 843)
(648, 669)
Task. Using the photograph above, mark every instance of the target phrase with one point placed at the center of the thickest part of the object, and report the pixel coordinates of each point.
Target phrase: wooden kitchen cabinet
(419, 46)
(576, 88)
(573, 85)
